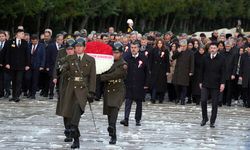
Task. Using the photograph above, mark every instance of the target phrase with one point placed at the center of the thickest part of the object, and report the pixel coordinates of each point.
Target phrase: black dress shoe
(41, 93)
(182, 102)
(1, 95)
(17, 100)
(45, 95)
(12, 99)
(203, 122)
(176, 101)
(124, 122)
(68, 139)
(138, 123)
(76, 143)
(32, 97)
(25, 94)
(153, 101)
(212, 125)
(29, 95)
(50, 97)
(113, 140)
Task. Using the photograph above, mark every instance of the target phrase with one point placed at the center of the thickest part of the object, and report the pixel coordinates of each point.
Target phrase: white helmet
(130, 21)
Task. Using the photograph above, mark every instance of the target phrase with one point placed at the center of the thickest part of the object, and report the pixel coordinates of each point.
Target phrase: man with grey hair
(230, 72)
(167, 38)
(183, 70)
(51, 54)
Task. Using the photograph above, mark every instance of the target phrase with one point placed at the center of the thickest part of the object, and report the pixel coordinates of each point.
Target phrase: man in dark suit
(7, 76)
(17, 61)
(51, 55)
(244, 75)
(37, 55)
(2, 54)
(212, 82)
(44, 76)
(145, 48)
(230, 72)
(136, 82)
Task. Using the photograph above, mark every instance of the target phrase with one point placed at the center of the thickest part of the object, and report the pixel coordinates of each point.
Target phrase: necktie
(79, 58)
(19, 43)
(212, 56)
(1, 45)
(33, 49)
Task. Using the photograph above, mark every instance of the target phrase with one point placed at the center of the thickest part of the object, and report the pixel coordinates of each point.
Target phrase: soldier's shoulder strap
(124, 64)
(89, 58)
(71, 57)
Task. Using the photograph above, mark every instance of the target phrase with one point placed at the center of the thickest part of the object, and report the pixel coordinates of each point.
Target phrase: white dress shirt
(212, 56)
(135, 56)
(18, 41)
(80, 56)
(58, 46)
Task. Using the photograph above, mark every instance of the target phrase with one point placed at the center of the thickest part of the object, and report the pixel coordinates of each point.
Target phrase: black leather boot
(76, 143)
(111, 131)
(75, 133)
(112, 134)
(67, 134)
(113, 140)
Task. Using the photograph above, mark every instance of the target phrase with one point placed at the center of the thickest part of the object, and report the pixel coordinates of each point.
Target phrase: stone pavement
(32, 124)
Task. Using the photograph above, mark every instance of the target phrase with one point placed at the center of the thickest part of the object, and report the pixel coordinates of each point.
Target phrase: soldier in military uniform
(62, 80)
(81, 70)
(114, 90)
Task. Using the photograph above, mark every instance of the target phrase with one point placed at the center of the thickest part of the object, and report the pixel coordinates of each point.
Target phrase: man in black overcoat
(17, 61)
(212, 82)
(136, 82)
(245, 75)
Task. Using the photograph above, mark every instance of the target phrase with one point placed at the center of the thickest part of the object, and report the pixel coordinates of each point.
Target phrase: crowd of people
(176, 68)
(169, 73)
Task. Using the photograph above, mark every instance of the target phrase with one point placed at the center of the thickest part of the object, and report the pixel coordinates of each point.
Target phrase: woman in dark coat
(189, 89)
(160, 68)
(196, 91)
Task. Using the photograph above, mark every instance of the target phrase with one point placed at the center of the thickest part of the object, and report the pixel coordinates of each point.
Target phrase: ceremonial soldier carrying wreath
(80, 89)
